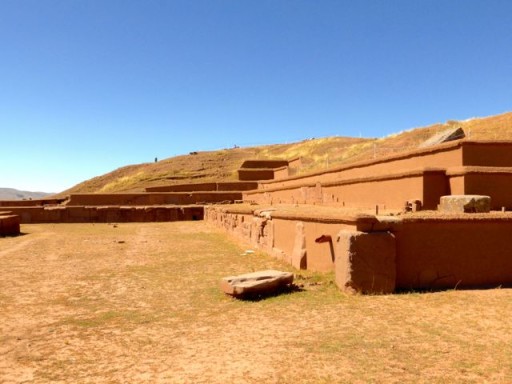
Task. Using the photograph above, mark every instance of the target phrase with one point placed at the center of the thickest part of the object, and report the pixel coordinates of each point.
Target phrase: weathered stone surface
(443, 137)
(465, 203)
(299, 253)
(256, 283)
(9, 225)
(366, 262)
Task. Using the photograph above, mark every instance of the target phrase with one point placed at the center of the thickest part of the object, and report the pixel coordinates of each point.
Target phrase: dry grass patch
(139, 303)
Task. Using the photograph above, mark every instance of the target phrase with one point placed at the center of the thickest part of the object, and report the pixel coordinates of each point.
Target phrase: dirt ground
(140, 303)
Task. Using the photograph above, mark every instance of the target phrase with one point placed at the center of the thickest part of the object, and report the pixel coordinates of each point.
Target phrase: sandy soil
(140, 303)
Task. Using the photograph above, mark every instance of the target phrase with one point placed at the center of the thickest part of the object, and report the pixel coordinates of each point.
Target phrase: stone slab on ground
(256, 283)
(465, 204)
(366, 262)
(443, 137)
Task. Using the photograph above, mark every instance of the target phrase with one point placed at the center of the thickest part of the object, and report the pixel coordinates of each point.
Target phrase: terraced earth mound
(316, 154)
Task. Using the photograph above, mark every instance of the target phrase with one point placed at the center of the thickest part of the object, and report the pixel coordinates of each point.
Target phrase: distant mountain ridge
(14, 194)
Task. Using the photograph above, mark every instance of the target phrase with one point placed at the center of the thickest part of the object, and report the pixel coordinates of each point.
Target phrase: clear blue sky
(88, 86)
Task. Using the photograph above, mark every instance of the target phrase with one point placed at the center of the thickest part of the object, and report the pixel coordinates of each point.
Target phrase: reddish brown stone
(465, 204)
(256, 283)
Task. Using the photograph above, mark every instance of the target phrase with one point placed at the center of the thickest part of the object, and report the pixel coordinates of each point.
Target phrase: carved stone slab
(256, 283)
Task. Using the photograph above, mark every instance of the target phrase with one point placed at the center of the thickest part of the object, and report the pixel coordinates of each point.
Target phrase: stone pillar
(365, 262)
(299, 253)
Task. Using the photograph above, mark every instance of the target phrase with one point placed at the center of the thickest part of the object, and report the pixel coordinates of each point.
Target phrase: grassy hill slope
(316, 154)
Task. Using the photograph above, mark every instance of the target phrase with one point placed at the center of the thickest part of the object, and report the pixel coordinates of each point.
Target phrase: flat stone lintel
(465, 204)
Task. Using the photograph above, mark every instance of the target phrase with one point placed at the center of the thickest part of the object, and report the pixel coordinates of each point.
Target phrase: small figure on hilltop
(156, 159)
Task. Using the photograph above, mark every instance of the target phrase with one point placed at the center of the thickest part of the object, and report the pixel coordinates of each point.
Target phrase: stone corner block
(465, 204)
(365, 262)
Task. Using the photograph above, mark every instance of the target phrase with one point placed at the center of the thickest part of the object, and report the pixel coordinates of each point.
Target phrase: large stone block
(9, 225)
(443, 137)
(366, 262)
(256, 283)
(465, 203)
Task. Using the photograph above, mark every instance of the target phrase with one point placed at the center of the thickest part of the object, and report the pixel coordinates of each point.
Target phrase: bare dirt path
(139, 303)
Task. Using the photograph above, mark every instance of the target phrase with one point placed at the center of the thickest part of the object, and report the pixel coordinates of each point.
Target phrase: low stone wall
(9, 224)
(146, 199)
(184, 188)
(106, 214)
(380, 254)
(281, 173)
(223, 186)
(287, 233)
(255, 164)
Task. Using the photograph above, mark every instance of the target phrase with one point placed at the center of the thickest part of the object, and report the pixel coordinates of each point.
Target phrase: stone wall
(106, 214)
(289, 235)
(454, 251)
(460, 167)
(490, 181)
(388, 192)
(30, 203)
(439, 157)
(255, 174)
(177, 198)
(381, 254)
